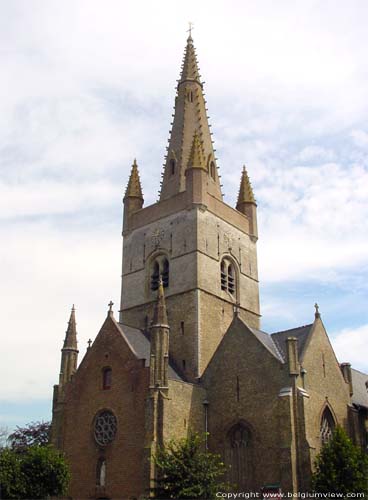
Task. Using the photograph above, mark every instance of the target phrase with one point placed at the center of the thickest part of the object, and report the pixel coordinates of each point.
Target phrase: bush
(341, 467)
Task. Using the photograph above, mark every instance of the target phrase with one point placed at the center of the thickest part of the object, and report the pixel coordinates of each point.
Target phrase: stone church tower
(187, 352)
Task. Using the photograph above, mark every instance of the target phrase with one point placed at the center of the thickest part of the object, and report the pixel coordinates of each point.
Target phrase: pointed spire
(196, 158)
(190, 117)
(70, 341)
(160, 313)
(134, 189)
(245, 192)
(190, 67)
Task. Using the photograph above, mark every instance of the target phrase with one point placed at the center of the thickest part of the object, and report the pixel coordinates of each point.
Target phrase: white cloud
(350, 345)
(86, 87)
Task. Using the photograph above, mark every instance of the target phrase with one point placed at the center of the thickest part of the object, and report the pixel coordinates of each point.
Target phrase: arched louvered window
(327, 426)
(155, 276)
(160, 267)
(238, 457)
(228, 276)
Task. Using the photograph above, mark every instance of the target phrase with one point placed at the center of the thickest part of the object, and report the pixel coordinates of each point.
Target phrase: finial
(317, 314)
(191, 27)
(110, 304)
(73, 308)
(89, 342)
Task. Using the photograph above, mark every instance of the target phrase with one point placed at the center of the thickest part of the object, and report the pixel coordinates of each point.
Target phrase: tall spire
(70, 341)
(160, 313)
(69, 352)
(134, 188)
(245, 192)
(190, 118)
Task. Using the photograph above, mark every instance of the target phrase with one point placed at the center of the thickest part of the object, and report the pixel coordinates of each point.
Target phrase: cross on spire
(110, 304)
(191, 27)
(317, 314)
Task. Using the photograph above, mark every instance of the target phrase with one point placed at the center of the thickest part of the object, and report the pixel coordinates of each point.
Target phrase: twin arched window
(228, 278)
(160, 267)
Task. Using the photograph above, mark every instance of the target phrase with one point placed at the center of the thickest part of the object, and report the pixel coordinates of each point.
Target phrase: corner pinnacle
(160, 312)
(245, 191)
(70, 341)
(196, 157)
(134, 189)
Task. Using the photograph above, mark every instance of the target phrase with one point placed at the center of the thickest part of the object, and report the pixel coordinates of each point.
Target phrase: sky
(87, 86)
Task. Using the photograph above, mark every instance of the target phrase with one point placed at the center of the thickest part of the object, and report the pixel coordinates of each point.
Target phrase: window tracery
(239, 456)
(327, 426)
(105, 427)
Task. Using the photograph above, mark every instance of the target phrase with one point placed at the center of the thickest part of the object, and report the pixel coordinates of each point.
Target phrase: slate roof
(140, 345)
(268, 342)
(301, 333)
(360, 390)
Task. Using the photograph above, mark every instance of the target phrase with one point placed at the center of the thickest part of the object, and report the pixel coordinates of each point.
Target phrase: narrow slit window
(106, 378)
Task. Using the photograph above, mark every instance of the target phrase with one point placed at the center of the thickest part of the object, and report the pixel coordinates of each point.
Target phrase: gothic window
(106, 378)
(327, 426)
(105, 427)
(172, 166)
(228, 277)
(101, 472)
(212, 169)
(160, 267)
(238, 456)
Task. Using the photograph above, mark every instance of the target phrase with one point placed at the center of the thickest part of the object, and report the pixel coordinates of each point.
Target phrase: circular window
(105, 427)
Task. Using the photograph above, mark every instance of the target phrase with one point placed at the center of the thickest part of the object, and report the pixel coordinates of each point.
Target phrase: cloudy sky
(87, 86)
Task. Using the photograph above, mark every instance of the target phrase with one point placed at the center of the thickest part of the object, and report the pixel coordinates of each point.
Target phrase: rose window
(105, 428)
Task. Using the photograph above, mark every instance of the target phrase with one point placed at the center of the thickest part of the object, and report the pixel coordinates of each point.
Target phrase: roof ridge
(289, 329)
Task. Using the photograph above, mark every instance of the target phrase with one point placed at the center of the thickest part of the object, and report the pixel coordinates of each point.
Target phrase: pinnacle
(160, 313)
(190, 67)
(71, 332)
(134, 188)
(245, 192)
(196, 158)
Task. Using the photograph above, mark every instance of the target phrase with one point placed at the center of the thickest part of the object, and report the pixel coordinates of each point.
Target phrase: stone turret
(69, 352)
(69, 361)
(247, 204)
(190, 119)
(159, 342)
(133, 199)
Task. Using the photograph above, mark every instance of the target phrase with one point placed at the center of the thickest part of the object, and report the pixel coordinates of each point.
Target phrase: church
(186, 350)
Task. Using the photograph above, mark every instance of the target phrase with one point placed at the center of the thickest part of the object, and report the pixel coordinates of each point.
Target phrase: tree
(37, 472)
(33, 434)
(341, 467)
(186, 471)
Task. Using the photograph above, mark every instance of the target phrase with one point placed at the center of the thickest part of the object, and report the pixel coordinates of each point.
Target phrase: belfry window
(160, 267)
(327, 426)
(106, 378)
(228, 277)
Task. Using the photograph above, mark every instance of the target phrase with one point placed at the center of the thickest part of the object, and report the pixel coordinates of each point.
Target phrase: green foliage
(12, 483)
(33, 434)
(186, 471)
(341, 467)
(37, 472)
